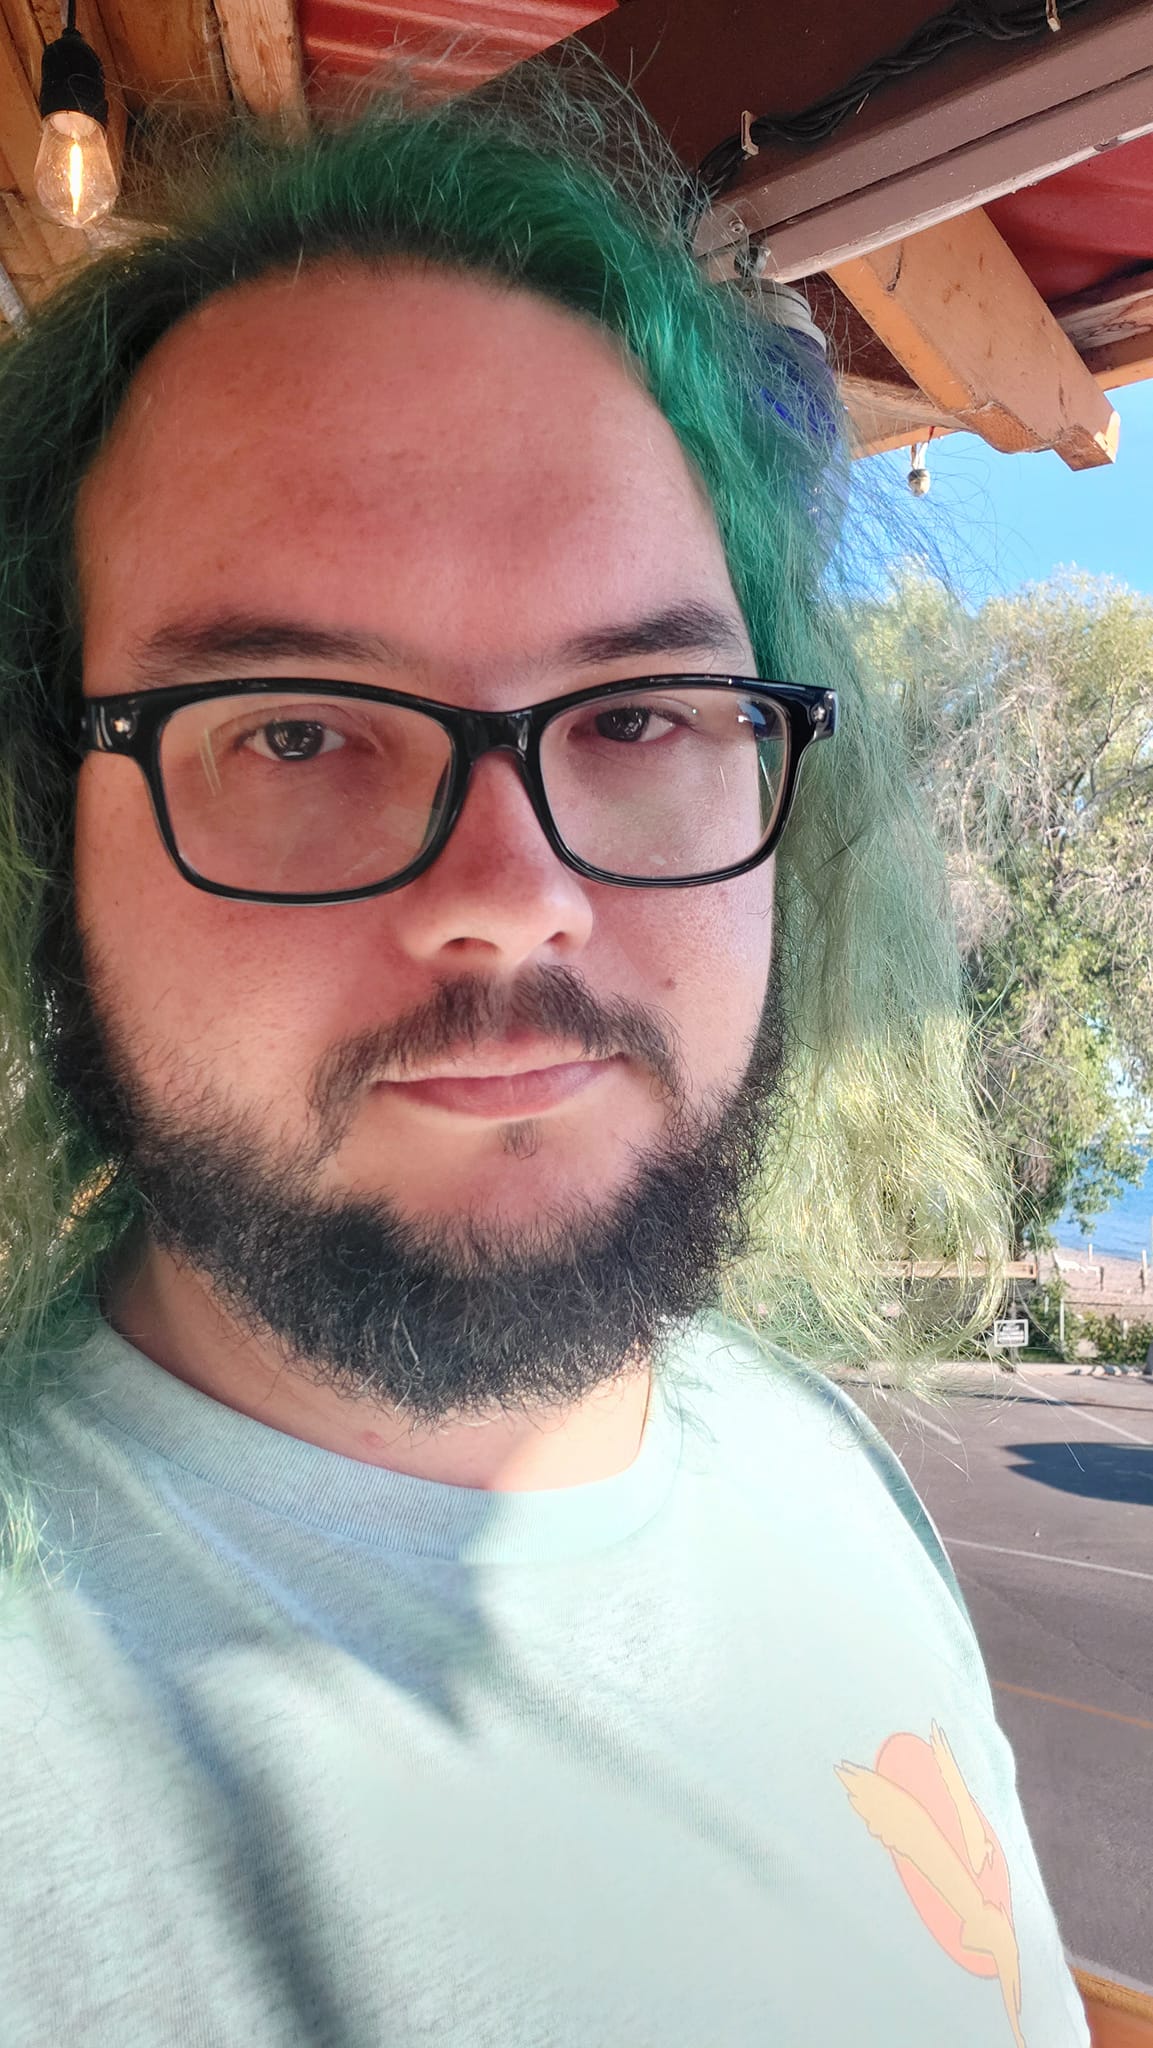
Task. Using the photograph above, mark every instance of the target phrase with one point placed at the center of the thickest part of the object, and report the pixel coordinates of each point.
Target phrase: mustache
(471, 1008)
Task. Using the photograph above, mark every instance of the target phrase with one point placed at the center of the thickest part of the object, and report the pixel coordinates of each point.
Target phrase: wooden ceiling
(936, 322)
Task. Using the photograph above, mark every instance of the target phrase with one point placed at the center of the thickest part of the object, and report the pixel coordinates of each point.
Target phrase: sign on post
(1010, 1330)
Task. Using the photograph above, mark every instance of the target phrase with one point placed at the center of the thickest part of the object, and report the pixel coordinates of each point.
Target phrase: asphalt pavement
(1042, 1487)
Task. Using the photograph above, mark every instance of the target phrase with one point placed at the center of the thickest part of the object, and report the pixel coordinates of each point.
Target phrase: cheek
(245, 985)
(118, 863)
(703, 956)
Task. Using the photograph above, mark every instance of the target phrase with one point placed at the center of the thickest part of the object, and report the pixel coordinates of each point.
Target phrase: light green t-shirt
(296, 1750)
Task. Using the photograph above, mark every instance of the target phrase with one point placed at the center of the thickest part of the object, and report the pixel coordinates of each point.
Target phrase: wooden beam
(34, 23)
(957, 311)
(166, 50)
(36, 252)
(696, 67)
(1121, 362)
(888, 412)
(23, 251)
(19, 113)
(885, 416)
(1111, 326)
(983, 119)
(1108, 312)
(261, 44)
(925, 194)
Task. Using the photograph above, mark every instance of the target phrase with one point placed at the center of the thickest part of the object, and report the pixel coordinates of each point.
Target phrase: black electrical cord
(967, 20)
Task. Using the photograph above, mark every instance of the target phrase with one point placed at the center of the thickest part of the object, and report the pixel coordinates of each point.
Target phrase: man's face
(458, 481)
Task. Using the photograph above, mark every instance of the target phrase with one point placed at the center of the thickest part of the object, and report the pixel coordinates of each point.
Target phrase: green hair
(566, 192)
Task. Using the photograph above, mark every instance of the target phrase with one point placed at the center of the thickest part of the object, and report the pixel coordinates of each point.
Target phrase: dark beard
(442, 1320)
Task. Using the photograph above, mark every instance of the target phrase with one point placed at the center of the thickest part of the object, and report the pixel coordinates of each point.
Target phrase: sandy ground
(1106, 1286)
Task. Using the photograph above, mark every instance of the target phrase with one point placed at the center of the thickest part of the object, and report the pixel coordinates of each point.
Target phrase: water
(1123, 1231)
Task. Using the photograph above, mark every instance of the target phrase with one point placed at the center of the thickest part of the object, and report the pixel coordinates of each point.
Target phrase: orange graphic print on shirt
(917, 1804)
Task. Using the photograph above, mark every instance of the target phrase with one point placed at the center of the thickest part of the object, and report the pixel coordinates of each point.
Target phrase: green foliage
(1113, 1343)
(1032, 724)
(1044, 1314)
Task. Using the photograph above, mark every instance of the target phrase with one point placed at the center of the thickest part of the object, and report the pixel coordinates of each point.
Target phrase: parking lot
(1042, 1487)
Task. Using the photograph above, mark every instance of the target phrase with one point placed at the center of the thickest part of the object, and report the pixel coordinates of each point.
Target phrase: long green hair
(564, 191)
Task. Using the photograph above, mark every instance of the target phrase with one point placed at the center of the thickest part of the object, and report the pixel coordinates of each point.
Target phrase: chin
(512, 1172)
(523, 1185)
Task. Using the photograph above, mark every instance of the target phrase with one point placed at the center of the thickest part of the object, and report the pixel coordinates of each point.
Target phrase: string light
(918, 478)
(75, 179)
(965, 21)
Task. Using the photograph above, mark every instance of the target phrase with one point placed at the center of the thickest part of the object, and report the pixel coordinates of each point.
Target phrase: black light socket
(72, 76)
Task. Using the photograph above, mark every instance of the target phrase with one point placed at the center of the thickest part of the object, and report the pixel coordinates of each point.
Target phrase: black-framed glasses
(285, 790)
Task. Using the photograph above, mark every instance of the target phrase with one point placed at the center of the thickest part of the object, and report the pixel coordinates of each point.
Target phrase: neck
(170, 1313)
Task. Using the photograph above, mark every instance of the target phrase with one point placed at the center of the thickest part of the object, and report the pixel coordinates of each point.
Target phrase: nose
(497, 897)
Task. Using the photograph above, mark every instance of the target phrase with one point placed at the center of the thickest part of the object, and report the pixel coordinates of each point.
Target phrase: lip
(520, 1052)
(505, 1094)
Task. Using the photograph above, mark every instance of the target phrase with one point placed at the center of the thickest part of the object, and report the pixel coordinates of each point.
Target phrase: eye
(294, 739)
(630, 722)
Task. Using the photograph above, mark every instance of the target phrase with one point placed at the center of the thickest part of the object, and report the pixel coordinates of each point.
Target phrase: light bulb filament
(75, 179)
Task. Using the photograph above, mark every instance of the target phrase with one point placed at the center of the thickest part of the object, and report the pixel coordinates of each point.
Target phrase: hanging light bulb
(75, 180)
(918, 478)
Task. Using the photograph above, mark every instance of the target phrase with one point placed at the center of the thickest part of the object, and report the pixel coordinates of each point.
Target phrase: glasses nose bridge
(479, 733)
(497, 732)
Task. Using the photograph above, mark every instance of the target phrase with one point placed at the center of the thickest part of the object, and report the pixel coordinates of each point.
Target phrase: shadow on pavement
(1096, 1471)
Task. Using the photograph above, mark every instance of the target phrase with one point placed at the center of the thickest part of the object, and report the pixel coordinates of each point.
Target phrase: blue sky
(1003, 520)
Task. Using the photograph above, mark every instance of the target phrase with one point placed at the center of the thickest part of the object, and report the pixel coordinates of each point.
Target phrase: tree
(1031, 724)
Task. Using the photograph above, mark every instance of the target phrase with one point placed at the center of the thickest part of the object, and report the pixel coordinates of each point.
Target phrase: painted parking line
(1078, 1564)
(1090, 1414)
(1054, 1699)
(924, 1422)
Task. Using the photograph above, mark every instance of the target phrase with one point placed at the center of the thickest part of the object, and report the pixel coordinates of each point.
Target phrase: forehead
(473, 469)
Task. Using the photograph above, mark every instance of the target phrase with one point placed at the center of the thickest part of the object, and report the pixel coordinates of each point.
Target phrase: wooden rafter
(985, 118)
(1109, 312)
(19, 111)
(166, 50)
(1121, 362)
(956, 310)
(261, 44)
(1111, 328)
(1110, 325)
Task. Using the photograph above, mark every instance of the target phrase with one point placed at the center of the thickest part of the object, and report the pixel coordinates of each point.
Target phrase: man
(445, 1629)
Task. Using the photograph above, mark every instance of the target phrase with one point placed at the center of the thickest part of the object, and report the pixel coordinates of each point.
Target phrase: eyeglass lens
(320, 795)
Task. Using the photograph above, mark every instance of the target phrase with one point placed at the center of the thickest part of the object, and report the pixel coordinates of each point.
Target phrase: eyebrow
(679, 629)
(185, 647)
